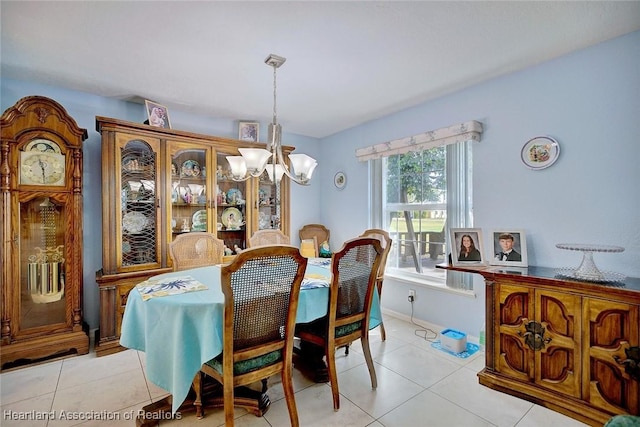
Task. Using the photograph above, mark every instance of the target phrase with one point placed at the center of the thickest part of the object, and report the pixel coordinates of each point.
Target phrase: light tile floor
(417, 386)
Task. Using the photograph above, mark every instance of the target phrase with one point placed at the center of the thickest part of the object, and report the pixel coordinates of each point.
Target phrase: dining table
(180, 331)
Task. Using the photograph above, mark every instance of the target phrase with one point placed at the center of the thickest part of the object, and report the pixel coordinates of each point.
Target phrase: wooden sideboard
(568, 345)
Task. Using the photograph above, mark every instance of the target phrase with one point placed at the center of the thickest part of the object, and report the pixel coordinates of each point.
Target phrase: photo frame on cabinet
(508, 247)
(248, 131)
(158, 115)
(466, 246)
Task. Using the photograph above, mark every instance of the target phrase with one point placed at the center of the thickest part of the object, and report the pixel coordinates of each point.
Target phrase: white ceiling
(347, 62)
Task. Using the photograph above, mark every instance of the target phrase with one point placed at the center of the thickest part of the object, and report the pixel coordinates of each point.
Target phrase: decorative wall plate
(540, 152)
(134, 222)
(340, 180)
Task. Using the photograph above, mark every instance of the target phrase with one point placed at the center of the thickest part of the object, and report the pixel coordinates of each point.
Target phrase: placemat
(168, 286)
(471, 349)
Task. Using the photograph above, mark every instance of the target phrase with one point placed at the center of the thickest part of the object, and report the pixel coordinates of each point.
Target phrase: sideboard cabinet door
(538, 337)
(611, 375)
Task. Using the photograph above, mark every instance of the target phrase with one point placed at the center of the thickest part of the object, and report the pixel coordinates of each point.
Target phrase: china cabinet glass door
(269, 204)
(189, 189)
(42, 262)
(231, 207)
(139, 211)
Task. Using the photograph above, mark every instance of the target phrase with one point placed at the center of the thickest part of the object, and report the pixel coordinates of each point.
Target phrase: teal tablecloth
(180, 332)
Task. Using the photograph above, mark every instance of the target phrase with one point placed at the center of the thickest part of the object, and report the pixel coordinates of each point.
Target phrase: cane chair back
(354, 271)
(385, 242)
(268, 237)
(261, 288)
(195, 249)
(319, 231)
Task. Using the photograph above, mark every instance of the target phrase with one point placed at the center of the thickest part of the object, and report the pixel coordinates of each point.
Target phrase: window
(417, 193)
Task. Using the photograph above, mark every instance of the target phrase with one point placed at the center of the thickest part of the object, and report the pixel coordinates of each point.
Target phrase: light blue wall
(589, 101)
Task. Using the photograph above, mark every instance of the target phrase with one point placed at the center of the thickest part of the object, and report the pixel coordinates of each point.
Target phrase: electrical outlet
(412, 295)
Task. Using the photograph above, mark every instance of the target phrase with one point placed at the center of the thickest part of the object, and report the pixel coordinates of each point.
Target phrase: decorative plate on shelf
(190, 168)
(131, 163)
(124, 196)
(199, 221)
(234, 197)
(134, 222)
(540, 152)
(232, 218)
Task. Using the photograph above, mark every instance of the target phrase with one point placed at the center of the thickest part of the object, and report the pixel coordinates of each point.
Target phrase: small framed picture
(248, 131)
(509, 247)
(158, 115)
(466, 246)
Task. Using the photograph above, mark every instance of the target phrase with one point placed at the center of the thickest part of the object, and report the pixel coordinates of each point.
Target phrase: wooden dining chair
(261, 288)
(309, 248)
(319, 231)
(354, 271)
(195, 249)
(268, 237)
(385, 242)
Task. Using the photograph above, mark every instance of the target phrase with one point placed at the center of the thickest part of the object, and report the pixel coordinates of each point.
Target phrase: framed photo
(248, 131)
(158, 115)
(509, 247)
(466, 246)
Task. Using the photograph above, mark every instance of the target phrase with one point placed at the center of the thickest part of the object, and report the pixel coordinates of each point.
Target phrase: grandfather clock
(41, 234)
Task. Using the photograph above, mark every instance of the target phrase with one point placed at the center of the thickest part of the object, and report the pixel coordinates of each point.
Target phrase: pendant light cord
(274, 96)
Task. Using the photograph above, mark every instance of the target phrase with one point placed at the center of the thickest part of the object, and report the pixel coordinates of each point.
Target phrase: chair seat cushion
(319, 328)
(623, 421)
(248, 365)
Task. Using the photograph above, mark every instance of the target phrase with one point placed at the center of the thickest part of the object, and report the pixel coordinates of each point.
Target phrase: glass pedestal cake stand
(587, 270)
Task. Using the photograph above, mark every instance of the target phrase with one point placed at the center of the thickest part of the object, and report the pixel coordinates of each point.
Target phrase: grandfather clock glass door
(42, 262)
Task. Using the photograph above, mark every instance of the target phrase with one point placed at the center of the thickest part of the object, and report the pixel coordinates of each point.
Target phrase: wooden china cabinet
(569, 345)
(41, 234)
(159, 183)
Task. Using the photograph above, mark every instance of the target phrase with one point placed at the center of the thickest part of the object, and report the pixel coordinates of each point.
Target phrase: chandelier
(254, 161)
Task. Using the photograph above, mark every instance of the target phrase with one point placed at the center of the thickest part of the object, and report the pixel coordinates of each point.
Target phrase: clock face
(42, 168)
